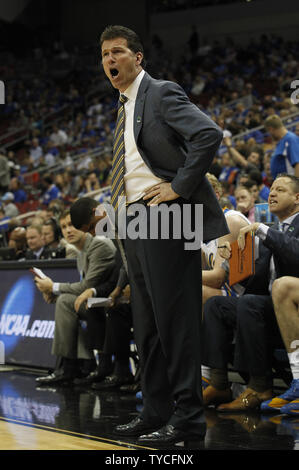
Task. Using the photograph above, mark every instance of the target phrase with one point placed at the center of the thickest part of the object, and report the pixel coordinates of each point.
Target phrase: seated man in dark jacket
(36, 244)
(109, 331)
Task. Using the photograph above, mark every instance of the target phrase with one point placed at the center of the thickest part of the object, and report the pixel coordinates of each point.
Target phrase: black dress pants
(165, 281)
(109, 330)
(96, 327)
(250, 321)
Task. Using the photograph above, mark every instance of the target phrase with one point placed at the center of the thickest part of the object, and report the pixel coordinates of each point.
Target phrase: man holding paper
(95, 264)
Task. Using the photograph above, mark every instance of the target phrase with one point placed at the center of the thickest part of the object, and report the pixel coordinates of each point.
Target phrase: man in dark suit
(110, 334)
(250, 319)
(36, 244)
(163, 146)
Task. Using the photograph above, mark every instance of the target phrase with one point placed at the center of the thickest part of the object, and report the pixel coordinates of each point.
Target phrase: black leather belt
(139, 201)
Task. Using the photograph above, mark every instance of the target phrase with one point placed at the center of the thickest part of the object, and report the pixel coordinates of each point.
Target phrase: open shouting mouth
(114, 72)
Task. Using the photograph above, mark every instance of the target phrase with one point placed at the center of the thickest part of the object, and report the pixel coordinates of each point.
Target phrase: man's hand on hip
(160, 193)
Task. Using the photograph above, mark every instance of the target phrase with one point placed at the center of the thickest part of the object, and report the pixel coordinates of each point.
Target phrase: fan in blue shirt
(52, 192)
(285, 158)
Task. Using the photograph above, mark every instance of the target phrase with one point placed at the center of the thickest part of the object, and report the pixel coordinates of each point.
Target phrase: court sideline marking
(104, 440)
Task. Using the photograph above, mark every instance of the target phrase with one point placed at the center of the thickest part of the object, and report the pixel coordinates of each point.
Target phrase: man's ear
(139, 57)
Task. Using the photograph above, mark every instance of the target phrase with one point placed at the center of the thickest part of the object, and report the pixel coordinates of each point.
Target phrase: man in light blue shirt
(285, 158)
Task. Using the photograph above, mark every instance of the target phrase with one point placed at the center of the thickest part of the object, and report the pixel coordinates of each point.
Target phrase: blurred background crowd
(56, 126)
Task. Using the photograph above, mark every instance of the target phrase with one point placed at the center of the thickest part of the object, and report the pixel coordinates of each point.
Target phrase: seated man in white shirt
(59, 136)
(214, 277)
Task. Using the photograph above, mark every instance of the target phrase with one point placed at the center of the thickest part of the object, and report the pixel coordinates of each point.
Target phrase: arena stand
(235, 106)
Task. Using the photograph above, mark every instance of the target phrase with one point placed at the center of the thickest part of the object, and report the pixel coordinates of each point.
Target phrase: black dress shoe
(169, 435)
(112, 382)
(131, 388)
(57, 377)
(94, 377)
(136, 427)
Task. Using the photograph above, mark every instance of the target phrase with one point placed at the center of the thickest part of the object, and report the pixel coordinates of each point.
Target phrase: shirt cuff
(225, 266)
(55, 288)
(262, 231)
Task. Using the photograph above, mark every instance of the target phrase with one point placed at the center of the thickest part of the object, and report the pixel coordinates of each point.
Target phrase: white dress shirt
(38, 252)
(262, 234)
(138, 176)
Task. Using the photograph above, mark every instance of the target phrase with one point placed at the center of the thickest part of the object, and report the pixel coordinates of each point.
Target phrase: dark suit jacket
(105, 288)
(285, 249)
(178, 143)
(45, 254)
(95, 263)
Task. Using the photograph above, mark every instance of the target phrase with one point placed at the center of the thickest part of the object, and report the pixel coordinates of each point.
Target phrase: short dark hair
(48, 179)
(81, 211)
(258, 149)
(52, 222)
(64, 214)
(256, 176)
(293, 178)
(117, 31)
(248, 184)
(242, 187)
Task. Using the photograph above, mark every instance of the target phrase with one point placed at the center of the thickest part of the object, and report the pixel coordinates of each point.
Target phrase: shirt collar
(38, 252)
(290, 219)
(132, 90)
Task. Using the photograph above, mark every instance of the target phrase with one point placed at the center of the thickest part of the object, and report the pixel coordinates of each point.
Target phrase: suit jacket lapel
(293, 228)
(292, 231)
(82, 257)
(139, 105)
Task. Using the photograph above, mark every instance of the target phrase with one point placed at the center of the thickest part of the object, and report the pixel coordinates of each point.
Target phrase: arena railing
(230, 104)
(49, 119)
(19, 217)
(26, 215)
(5, 139)
(30, 176)
(262, 127)
(96, 192)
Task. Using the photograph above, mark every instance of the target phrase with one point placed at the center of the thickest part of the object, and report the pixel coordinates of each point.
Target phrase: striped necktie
(118, 163)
